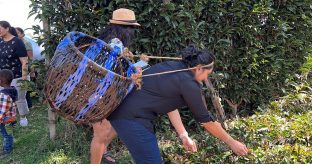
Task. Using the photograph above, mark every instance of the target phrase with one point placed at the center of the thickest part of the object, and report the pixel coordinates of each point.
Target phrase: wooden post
(52, 123)
(216, 103)
(51, 114)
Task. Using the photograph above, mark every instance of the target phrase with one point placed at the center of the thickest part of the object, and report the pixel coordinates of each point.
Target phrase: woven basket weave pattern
(79, 87)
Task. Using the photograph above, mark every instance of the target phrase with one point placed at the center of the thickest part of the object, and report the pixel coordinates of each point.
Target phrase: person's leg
(28, 99)
(7, 140)
(103, 134)
(21, 102)
(141, 143)
(3, 134)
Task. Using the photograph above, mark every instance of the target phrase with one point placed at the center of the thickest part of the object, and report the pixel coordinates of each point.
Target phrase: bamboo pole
(158, 57)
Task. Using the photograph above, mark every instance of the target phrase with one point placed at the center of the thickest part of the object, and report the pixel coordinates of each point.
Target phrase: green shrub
(258, 44)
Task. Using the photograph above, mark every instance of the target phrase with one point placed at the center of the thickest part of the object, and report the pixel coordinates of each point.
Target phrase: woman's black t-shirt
(10, 52)
(162, 94)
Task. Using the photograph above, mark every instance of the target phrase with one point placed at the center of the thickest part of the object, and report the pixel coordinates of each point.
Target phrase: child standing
(8, 96)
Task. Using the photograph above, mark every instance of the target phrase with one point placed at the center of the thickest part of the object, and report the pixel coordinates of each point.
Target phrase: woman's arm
(24, 61)
(215, 129)
(176, 122)
(30, 54)
(191, 92)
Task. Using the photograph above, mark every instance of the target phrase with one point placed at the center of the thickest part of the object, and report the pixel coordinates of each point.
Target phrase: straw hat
(124, 16)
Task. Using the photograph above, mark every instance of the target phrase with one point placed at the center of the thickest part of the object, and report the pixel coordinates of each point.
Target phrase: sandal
(107, 159)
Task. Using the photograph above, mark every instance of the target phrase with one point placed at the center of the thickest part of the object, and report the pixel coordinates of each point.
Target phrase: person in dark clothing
(120, 32)
(160, 94)
(13, 56)
(8, 96)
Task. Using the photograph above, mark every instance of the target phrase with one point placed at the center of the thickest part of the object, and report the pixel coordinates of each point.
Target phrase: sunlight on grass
(59, 157)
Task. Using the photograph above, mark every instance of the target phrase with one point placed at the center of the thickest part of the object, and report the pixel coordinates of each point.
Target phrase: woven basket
(87, 80)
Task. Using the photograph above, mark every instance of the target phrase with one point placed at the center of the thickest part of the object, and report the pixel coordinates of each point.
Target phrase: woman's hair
(13, 31)
(19, 29)
(192, 56)
(6, 24)
(125, 33)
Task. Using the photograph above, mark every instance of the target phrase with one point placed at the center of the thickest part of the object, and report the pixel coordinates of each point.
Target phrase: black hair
(125, 33)
(6, 76)
(19, 29)
(6, 24)
(192, 56)
(13, 31)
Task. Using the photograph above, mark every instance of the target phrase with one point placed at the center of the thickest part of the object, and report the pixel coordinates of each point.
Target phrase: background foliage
(258, 43)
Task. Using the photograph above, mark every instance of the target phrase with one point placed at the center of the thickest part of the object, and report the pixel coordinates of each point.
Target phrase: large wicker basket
(87, 79)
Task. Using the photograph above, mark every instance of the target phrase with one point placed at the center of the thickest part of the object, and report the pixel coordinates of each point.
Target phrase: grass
(32, 144)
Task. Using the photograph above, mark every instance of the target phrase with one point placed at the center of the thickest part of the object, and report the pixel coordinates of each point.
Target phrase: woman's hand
(189, 144)
(238, 147)
(216, 130)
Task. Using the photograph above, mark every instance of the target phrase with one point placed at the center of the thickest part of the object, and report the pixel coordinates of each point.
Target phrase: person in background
(8, 96)
(36, 49)
(13, 56)
(21, 35)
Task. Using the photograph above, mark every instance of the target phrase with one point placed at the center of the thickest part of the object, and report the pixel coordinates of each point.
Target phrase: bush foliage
(258, 43)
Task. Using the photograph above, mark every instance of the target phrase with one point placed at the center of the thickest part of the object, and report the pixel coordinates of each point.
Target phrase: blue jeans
(141, 142)
(7, 139)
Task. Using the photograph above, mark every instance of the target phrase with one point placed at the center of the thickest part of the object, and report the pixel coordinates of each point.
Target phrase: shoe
(107, 159)
(13, 124)
(23, 122)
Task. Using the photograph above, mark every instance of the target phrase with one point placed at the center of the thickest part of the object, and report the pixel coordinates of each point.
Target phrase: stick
(158, 57)
(216, 103)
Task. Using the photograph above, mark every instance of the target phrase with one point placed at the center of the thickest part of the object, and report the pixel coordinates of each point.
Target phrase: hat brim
(123, 23)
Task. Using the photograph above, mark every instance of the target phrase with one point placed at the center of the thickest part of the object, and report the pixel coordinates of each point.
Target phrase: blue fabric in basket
(93, 51)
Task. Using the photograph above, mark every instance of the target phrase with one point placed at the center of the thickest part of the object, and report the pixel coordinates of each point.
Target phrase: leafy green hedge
(258, 44)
